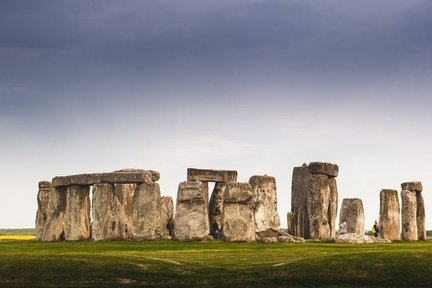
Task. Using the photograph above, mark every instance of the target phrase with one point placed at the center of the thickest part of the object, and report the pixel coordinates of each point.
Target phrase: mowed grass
(213, 264)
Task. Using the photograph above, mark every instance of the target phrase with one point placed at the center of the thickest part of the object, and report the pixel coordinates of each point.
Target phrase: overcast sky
(254, 86)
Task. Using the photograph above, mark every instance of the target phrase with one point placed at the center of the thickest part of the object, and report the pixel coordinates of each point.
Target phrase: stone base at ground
(357, 239)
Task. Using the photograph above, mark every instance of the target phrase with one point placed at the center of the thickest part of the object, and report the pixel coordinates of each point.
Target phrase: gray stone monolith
(299, 191)
(54, 226)
(238, 217)
(216, 208)
(191, 220)
(389, 221)
(352, 213)
(333, 206)
(146, 216)
(421, 216)
(43, 203)
(77, 214)
(109, 221)
(318, 201)
(124, 193)
(167, 217)
(267, 222)
(409, 215)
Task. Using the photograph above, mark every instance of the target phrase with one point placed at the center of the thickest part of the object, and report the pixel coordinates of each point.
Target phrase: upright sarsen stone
(352, 213)
(421, 217)
(77, 214)
(109, 220)
(167, 217)
(191, 221)
(43, 203)
(238, 217)
(333, 206)
(216, 208)
(318, 200)
(147, 212)
(389, 223)
(54, 226)
(409, 215)
(299, 191)
(267, 222)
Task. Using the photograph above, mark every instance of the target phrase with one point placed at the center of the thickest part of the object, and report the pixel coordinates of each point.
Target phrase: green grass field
(213, 264)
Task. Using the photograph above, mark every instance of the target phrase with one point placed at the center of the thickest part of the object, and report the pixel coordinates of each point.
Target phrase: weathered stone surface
(54, 226)
(409, 215)
(109, 219)
(329, 169)
(155, 174)
(265, 204)
(421, 216)
(318, 200)
(207, 175)
(291, 223)
(238, 218)
(268, 240)
(299, 191)
(352, 213)
(355, 238)
(191, 221)
(389, 223)
(167, 216)
(124, 193)
(289, 238)
(412, 186)
(333, 206)
(216, 208)
(43, 203)
(77, 214)
(147, 212)
(238, 193)
(112, 177)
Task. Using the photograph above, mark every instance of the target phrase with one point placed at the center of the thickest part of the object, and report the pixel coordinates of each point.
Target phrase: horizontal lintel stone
(208, 175)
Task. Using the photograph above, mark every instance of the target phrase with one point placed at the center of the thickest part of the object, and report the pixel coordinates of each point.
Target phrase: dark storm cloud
(57, 48)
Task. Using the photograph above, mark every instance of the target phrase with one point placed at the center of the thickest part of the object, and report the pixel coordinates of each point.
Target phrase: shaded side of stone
(215, 209)
(167, 216)
(299, 191)
(54, 225)
(333, 206)
(421, 217)
(43, 198)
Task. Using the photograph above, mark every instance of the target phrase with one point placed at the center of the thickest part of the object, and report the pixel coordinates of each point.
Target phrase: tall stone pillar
(147, 211)
(109, 220)
(216, 208)
(43, 203)
(264, 200)
(238, 217)
(167, 217)
(191, 220)
(318, 200)
(389, 221)
(77, 215)
(299, 191)
(124, 192)
(54, 225)
(417, 187)
(409, 215)
(352, 213)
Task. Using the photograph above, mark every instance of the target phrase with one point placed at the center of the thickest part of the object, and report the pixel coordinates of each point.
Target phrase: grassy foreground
(213, 264)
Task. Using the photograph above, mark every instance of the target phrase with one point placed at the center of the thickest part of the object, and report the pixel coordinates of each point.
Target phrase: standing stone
(318, 200)
(238, 218)
(43, 203)
(109, 220)
(299, 191)
(409, 215)
(124, 193)
(216, 208)
(54, 225)
(389, 222)
(167, 216)
(77, 215)
(147, 212)
(267, 222)
(353, 214)
(333, 206)
(421, 226)
(191, 221)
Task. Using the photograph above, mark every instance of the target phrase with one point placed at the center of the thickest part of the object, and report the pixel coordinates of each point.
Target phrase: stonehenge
(127, 204)
(352, 213)
(314, 201)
